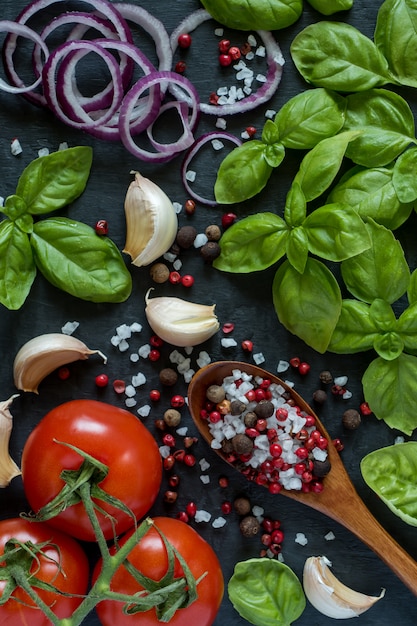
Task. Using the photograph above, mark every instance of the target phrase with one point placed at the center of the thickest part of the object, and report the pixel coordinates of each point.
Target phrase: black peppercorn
(264, 409)
(237, 407)
(326, 377)
(351, 419)
(321, 468)
(249, 526)
(242, 505)
(168, 376)
(250, 419)
(320, 396)
(210, 251)
(186, 236)
(242, 444)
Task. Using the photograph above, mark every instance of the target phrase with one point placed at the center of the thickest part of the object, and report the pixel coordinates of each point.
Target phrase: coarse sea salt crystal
(203, 358)
(202, 516)
(259, 358)
(301, 539)
(217, 144)
(164, 451)
(190, 175)
(270, 113)
(130, 402)
(177, 264)
(204, 464)
(124, 331)
(181, 432)
(138, 380)
(340, 380)
(260, 51)
(252, 41)
(250, 56)
(200, 240)
(205, 479)
(63, 145)
(221, 123)
(258, 511)
(15, 147)
(219, 32)
(43, 152)
(218, 522)
(282, 366)
(330, 536)
(347, 395)
(177, 207)
(136, 327)
(69, 327)
(144, 410)
(228, 342)
(170, 257)
(319, 455)
(261, 78)
(123, 345)
(130, 391)
(134, 357)
(144, 350)
(399, 439)
(176, 357)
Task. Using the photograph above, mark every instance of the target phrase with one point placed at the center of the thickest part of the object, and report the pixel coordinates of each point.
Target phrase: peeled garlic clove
(41, 355)
(151, 221)
(179, 322)
(331, 597)
(8, 468)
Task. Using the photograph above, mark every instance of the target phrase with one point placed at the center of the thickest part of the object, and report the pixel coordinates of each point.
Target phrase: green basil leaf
(379, 272)
(295, 206)
(14, 207)
(372, 194)
(389, 345)
(53, 181)
(309, 117)
(382, 315)
(266, 592)
(307, 304)
(404, 176)
(390, 390)
(407, 326)
(338, 56)
(297, 248)
(252, 244)
(329, 7)
(321, 164)
(17, 267)
(254, 14)
(75, 259)
(274, 154)
(396, 37)
(412, 288)
(336, 232)
(243, 173)
(270, 133)
(354, 331)
(391, 473)
(387, 123)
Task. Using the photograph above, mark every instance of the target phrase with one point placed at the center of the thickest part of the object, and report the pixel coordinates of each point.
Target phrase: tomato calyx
(83, 485)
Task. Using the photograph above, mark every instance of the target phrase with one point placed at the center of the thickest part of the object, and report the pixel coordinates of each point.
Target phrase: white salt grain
(138, 380)
(136, 327)
(219, 522)
(205, 479)
(200, 240)
(190, 175)
(130, 402)
(221, 123)
(177, 207)
(124, 331)
(228, 342)
(63, 145)
(144, 410)
(15, 147)
(202, 516)
(217, 144)
(204, 464)
(130, 391)
(69, 327)
(340, 380)
(301, 539)
(123, 345)
(164, 451)
(282, 366)
(258, 358)
(144, 351)
(330, 536)
(134, 357)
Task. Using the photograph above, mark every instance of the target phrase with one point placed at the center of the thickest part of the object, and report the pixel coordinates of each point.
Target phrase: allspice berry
(249, 526)
(168, 376)
(242, 444)
(172, 417)
(213, 232)
(237, 407)
(215, 393)
(326, 377)
(186, 236)
(351, 419)
(321, 468)
(210, 251)
(320, 396)
(250, 419)
(264, 409)
(242, 505)
(159, 273)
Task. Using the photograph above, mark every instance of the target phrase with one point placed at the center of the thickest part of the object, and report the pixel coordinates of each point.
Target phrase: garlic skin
(41, 355)
(8, 468)
(331, 597)
(151, 221)
(179, 322)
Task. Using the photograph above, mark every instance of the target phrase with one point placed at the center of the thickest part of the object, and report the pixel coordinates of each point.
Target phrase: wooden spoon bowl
(339, 500)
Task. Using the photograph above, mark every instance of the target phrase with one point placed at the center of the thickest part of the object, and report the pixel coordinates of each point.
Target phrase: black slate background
(243, 299)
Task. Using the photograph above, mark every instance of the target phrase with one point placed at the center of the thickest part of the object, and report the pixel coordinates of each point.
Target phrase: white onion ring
(21, 30)
(128, 105)
(195, 148)
(275, 62)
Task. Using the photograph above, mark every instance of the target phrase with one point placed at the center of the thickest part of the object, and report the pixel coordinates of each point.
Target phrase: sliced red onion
(129, 103)
(53, 91)
(106, 9)
(274, 59)
(187, 137)
(21, 30)
(195, 148)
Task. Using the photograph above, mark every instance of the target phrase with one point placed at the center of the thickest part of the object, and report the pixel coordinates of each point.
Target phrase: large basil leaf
(396, 37)
(253, 243)
(17, 267)
(307, 304)
(243, 173)
(329, 7)
(387, 123)
(404, 176)
(372, 194)
(309, 117)
(337, 56)
(75, 259)
(336, 232)
(390, 389)
(321, 164)
(254, 14)
(266, 592)
(354, 331)
(53, 181)
(391, 473)
(412, 288)
(379, 272)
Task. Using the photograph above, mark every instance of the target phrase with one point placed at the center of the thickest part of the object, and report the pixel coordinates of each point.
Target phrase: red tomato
(150, 557)
(73, 577)
(113, 436)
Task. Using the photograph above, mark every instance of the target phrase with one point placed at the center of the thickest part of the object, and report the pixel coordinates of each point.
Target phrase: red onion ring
(275, 62)
(128, 105)
(52, 92)
(187, 137)
(195, 148)
(22, 30)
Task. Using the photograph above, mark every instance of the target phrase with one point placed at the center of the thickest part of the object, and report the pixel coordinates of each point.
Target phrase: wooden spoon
(339, 499)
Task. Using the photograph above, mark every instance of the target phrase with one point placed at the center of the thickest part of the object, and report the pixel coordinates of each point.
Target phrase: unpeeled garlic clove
(41, 355)
(331, 597)
(180, 322)
(8, 468)
(151, 221)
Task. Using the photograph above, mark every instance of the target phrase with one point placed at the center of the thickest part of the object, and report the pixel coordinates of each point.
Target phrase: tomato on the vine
(150, 557)
(113, 436)
(62, 563)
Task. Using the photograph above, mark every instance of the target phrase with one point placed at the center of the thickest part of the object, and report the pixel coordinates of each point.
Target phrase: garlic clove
(331, 597)
(8, 468)
(40, 356)
(151, 221)
(179, 322)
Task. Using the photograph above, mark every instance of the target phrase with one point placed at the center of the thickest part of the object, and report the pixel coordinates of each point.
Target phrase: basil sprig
(68, 253)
